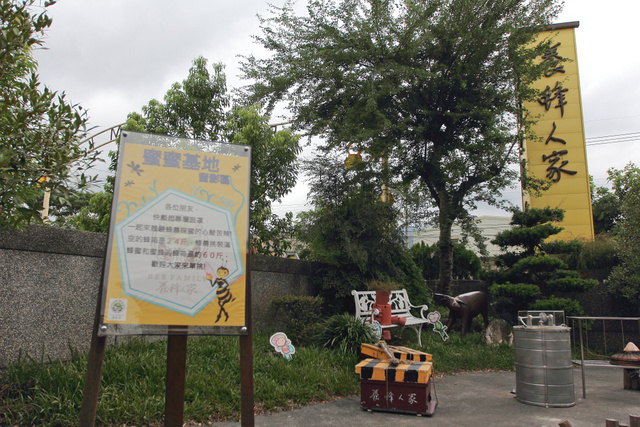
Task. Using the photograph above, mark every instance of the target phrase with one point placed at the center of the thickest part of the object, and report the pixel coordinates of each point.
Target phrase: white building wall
(489, 227)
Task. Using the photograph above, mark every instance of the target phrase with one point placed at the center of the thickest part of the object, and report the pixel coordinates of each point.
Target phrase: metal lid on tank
(541, 318)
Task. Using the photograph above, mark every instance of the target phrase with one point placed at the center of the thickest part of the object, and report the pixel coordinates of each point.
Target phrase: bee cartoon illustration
(222, 289)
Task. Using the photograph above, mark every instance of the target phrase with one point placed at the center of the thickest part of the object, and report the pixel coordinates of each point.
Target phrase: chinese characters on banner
(179, 234)
(559, 155)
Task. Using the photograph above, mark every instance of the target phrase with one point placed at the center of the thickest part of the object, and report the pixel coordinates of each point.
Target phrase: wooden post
(92, 380)
(630, 379)
(634, 421)
(94, 370)
(246, 358)
(612, 423)
(175, 381)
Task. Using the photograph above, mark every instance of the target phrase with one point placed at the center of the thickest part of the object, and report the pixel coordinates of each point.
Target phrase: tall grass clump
(345, 333)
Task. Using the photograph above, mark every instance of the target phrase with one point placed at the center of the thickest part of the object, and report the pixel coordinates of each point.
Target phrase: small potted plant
(383, 290)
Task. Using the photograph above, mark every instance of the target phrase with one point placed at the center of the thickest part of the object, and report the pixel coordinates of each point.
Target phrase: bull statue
(465, 307)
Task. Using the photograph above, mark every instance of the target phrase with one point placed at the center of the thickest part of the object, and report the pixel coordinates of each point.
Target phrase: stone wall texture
(49, 282)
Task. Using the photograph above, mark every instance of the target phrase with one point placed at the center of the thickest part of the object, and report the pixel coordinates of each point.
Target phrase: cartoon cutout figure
(376, 328)
(434, 318)
(375, 325)
(282, 345)
(221, 286)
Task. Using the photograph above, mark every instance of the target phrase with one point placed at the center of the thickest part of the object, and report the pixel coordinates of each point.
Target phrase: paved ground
(479, 399)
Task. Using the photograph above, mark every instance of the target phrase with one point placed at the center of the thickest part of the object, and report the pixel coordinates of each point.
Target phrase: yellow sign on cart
(179, 236)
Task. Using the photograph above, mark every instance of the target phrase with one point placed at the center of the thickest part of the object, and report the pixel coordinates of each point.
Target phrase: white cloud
(114, 56)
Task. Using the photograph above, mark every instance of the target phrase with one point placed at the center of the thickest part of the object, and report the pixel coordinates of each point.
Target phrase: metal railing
(584, 334)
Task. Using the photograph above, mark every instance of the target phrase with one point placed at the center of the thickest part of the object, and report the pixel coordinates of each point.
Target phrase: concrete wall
(49, 282)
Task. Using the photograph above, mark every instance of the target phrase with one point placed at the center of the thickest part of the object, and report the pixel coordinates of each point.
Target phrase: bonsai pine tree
(532, 274)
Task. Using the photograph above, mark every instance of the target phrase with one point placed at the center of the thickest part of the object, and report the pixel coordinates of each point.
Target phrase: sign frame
(211, 192)
(177, 334)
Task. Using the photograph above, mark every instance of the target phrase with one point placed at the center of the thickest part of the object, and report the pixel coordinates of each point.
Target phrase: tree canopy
(435, 87)
(40, 132)
(194, 108)
(353, 230)
(198, 108)
(624, 281)
(607, 203)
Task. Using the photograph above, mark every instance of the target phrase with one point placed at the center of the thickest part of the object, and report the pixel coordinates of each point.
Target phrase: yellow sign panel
(179, 234)
(559, 154)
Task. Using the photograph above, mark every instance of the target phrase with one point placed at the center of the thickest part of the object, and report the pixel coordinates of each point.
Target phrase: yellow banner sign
(559, 155)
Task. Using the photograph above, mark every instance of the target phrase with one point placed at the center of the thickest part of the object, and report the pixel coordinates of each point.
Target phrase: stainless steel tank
(544, 372)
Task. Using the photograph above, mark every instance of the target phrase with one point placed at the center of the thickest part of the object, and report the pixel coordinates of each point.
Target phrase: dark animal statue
(465, 307)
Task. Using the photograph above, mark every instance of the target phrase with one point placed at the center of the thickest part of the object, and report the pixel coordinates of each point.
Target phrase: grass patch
(133, 379)
(133, 383)
(465, 354)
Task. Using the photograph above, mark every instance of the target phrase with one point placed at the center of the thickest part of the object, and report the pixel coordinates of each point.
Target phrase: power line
(612, 118)
(614, 136)
(613, 139)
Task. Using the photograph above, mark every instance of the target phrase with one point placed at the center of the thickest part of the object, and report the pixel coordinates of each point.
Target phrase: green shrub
(426, 258)
(336, 286)
(508, 298)
(299, 315)
(562, 247)
(571, 284)
(538, 264)
(520, 292)
(599, 254)
(466, 264)
(569, 306)
(346, 333)
(567, 251)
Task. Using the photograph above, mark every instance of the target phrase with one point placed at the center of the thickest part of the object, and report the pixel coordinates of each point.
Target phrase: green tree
(95, 215)
(61, 211)
(466, 264)
(432, 86)
(624, 281)
(274, 171)
(40, 132)
(607, 203)
(606, 209)
(355, 233)
(197, 108)
(533, 274)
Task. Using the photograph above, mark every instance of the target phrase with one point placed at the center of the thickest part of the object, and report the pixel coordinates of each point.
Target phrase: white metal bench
(400, 306)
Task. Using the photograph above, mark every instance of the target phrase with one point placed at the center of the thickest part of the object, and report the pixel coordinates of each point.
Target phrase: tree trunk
(446, 253)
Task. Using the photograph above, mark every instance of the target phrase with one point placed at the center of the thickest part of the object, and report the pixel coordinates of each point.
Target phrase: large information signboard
(179, 236)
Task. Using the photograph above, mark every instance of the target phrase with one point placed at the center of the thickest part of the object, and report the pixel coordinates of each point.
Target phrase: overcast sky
(112, 57)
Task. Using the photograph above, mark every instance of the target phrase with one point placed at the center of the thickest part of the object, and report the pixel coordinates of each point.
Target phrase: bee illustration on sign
(221, 286)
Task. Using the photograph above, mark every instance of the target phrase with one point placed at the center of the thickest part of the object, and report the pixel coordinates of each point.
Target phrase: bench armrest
(423, 309)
